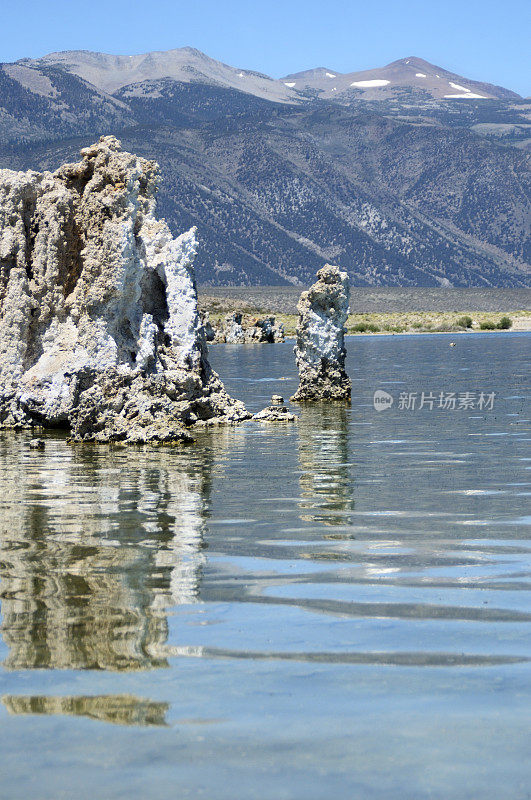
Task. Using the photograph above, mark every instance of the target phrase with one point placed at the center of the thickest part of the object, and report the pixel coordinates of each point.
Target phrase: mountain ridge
(397, 187)
(111, 72)
(383, 82)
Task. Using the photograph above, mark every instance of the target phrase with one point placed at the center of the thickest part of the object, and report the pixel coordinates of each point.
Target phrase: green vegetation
(464, 322)
(502, 325)
(363, 327)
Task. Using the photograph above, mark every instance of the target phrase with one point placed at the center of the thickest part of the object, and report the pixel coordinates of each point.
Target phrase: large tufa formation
(320, 346)
(99, 323)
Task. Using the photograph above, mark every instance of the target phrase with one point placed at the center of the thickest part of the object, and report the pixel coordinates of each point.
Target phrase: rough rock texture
(233, 332)
(242, 328)
(99, 323)
(320, 345)
(275, 413)
(208, 330)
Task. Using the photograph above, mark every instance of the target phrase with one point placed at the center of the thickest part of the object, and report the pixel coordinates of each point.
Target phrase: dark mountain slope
(396, 192)
(48, 104)
(274, 199)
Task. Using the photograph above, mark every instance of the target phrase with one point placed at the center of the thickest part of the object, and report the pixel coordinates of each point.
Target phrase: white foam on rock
(370, 84)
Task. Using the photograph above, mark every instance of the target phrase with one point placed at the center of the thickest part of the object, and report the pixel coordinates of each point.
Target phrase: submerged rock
(320, 339)
(99, 323)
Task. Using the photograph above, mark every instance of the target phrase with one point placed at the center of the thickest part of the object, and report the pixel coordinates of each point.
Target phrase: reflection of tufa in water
(117, 709)
(83, 587)
(326, 483)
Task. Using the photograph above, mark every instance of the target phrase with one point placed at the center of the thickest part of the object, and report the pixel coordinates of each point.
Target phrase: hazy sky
(479, 39)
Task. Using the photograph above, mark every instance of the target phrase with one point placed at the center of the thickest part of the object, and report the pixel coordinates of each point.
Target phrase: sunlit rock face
(99, 323)
(320, 344)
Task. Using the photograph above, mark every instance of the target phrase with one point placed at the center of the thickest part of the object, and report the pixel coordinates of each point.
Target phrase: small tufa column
(320, 346)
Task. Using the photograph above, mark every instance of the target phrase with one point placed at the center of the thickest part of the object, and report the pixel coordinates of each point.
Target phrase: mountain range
(408, 174)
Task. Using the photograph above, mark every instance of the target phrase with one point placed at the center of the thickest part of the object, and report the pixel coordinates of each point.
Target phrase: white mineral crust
(320, 339)
(99, 324)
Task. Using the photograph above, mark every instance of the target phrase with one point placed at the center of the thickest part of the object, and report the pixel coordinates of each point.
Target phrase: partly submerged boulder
(320, 339)
(275, 413)
(99, 324)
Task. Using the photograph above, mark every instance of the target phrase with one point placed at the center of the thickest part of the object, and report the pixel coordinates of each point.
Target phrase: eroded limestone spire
(320, 339)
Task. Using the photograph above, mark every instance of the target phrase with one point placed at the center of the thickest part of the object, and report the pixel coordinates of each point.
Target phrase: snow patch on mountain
(467, 96)
(370, 84)
(458, 87)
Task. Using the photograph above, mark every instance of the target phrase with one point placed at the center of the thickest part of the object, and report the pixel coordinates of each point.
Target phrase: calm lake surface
(337, 608)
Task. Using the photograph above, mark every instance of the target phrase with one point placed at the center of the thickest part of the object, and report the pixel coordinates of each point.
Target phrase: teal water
(333, 608)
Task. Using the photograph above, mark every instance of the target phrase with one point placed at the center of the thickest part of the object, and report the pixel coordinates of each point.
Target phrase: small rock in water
(36, 444)
(452, 344)
(275, 413)
(277, 399)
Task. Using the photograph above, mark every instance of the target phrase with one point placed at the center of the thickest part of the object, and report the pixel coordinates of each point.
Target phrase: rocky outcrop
(265, 329)
(99, 324)
(208, 330)
(320, 340)
(232, 331)
(240, 328)
(275, 413)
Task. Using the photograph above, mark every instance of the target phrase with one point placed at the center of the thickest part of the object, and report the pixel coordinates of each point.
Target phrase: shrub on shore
(363, 327)
(464, 322)
(503, 325)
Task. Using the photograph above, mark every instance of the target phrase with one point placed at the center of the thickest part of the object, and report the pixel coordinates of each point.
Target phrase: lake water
(333, 608)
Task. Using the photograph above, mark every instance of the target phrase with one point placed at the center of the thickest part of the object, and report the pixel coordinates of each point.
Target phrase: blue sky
(482, 40)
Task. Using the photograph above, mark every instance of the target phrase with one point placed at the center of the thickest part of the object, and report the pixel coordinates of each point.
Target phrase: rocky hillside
(404, 186)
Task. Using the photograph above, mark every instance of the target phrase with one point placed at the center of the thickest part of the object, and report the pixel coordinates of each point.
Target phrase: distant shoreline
(387, 318)
(291, 336)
